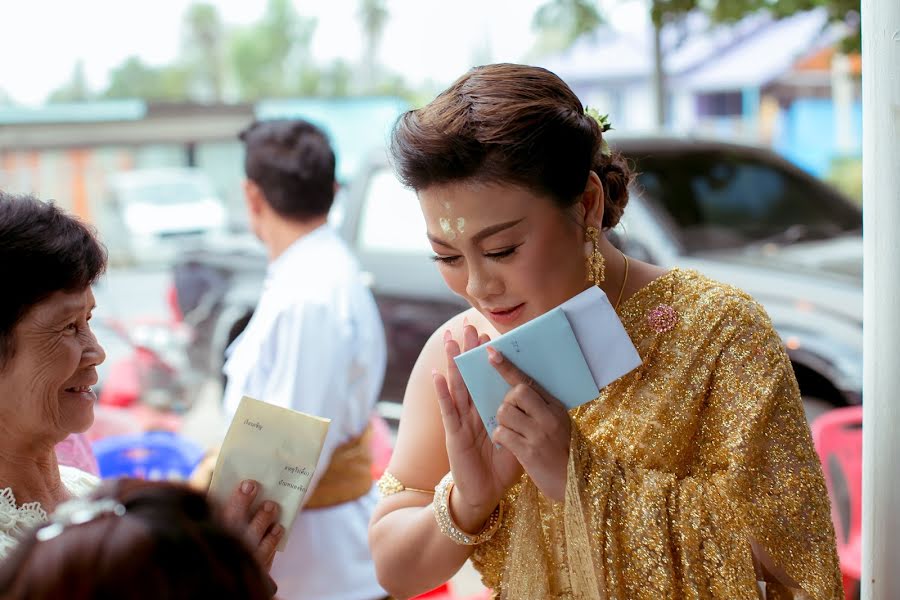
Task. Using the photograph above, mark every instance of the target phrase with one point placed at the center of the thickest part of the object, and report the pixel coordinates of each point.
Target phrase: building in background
(70, 152)
(759, 80)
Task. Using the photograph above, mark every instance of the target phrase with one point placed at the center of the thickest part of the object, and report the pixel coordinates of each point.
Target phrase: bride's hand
(482, 472)
(535, 426)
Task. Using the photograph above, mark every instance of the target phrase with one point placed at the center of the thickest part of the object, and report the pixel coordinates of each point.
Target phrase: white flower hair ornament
(76, 512)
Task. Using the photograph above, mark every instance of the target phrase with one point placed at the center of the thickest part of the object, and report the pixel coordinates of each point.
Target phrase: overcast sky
(40, 40)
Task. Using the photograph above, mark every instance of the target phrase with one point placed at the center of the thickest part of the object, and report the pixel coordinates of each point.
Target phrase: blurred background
(743, 118)
(90, 90)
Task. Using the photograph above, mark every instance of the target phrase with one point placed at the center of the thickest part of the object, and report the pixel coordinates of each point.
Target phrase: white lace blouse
(15, 520)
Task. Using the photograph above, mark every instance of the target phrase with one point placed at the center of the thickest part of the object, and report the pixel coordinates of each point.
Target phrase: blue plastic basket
(155, 455)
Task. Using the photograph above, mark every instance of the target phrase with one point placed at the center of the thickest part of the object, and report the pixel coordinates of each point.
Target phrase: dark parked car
(736, 213)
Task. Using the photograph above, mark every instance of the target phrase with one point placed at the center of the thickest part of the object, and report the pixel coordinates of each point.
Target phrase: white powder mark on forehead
(461, 225)
(447, 229)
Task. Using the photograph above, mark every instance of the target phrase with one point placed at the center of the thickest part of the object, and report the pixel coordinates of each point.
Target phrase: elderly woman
(48, 363)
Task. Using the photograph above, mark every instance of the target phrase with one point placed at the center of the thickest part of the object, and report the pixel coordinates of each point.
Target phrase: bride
(694, 476)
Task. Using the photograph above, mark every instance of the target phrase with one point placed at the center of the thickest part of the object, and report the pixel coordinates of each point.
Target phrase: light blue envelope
(544, 348)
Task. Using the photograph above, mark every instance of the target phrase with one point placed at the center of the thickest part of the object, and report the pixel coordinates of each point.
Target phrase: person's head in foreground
(512, 175)
(134, 540)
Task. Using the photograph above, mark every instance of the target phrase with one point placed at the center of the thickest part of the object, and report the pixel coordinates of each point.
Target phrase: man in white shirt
(315, 344)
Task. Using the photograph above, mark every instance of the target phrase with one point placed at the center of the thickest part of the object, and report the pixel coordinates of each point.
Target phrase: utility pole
(659, 76)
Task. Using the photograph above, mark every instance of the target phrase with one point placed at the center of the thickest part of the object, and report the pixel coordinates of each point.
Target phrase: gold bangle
(389, 485)
(441, 507)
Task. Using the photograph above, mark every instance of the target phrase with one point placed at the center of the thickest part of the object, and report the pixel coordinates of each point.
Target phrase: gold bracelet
(389, 485)
(441, 507)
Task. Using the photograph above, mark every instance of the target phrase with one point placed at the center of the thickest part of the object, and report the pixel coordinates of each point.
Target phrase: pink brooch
(662, 318)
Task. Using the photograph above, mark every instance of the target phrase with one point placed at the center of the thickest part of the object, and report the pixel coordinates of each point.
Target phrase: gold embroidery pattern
(676, 467)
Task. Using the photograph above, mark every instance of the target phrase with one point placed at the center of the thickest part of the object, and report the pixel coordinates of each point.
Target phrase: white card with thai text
(275, 446)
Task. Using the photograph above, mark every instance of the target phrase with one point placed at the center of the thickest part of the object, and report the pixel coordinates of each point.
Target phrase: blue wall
(807, 135)
(356, 126)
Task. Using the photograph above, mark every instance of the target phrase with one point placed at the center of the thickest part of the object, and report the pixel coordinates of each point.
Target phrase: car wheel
(815, 407)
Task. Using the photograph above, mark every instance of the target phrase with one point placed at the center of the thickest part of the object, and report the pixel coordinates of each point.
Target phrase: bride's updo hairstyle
(511, 124)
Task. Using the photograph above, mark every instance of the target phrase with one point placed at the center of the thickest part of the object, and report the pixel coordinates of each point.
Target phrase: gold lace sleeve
(752, 474)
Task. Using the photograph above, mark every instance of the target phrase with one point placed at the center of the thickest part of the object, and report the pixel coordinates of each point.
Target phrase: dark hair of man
(293, 164)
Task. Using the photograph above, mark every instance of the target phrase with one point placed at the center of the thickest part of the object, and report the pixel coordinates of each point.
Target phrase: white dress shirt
(316, 344)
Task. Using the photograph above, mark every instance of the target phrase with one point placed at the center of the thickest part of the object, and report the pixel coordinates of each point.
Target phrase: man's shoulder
(325, 301)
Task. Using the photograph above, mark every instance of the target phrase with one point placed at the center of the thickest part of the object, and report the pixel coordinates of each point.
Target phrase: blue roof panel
(356, 126)
(75, 112)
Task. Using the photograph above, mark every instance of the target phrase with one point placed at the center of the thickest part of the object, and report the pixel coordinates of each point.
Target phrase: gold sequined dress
(676, 467)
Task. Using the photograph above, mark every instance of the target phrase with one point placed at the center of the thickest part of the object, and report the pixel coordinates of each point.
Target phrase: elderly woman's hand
(260, 530)
(535, 427)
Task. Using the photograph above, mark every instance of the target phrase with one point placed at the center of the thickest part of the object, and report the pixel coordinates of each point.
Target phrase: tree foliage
(204, 49)
(74, 90)
(134, 79)
(373, 18)
(577, 17)
(729, 11)
(269, 58)
(561, 22)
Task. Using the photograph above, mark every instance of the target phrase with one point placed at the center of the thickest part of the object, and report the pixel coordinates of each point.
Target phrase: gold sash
(348, 476)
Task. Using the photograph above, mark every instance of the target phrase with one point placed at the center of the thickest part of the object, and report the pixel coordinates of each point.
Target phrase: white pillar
(881, 222)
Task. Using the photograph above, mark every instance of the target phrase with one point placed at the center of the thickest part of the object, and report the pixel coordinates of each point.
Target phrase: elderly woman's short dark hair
(43, 250)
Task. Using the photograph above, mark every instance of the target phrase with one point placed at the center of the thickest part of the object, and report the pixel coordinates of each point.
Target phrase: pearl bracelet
(441, 507)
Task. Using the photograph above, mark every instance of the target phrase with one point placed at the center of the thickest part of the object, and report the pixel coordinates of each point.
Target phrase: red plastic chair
(442, 592)
(445, 592)
(837, 436)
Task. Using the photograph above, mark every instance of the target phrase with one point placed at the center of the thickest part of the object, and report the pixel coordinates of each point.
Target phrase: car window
(391, 219)
(723, 201)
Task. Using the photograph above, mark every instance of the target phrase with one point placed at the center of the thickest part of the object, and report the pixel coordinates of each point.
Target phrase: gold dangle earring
(596, 264)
